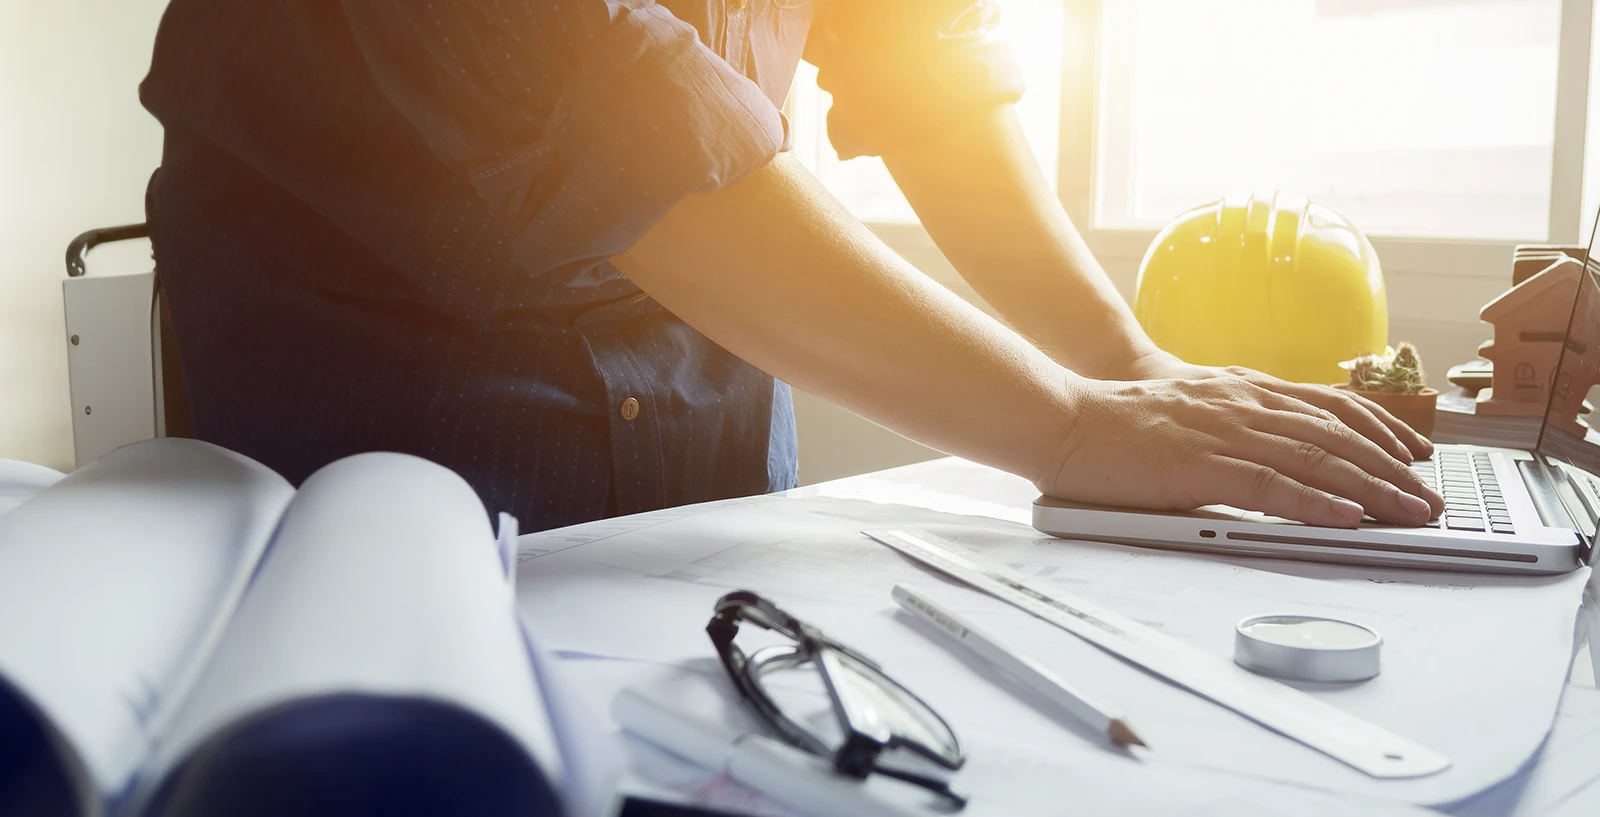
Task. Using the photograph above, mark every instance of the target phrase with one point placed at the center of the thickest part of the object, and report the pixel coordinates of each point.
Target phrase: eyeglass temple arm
(941, 787)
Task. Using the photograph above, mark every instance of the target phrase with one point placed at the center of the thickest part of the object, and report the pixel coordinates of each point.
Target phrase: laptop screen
(1569, 440)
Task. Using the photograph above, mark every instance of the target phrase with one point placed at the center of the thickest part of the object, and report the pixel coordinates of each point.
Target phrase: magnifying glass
(1306, 648)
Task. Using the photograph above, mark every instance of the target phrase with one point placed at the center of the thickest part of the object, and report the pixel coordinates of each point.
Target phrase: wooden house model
(1530, 324)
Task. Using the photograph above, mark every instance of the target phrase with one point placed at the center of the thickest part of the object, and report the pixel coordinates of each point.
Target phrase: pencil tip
(1122, 734)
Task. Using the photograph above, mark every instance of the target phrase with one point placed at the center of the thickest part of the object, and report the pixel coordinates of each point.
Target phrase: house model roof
(1558, 281)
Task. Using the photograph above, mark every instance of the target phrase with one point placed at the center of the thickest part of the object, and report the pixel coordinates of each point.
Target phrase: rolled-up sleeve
(580, 121)
(901, 69)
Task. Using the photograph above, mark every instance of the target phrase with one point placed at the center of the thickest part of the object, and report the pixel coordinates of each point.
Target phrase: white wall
(75, 152)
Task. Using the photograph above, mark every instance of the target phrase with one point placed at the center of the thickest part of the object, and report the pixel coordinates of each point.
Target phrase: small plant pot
(1415, 410)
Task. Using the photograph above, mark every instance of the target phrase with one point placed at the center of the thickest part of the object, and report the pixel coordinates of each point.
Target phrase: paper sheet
(1563, 780)
(589, 748)
(21, 480)
(115, 581)
(950, 485)
(383, 591)
(1474, 666)
(1002, 780)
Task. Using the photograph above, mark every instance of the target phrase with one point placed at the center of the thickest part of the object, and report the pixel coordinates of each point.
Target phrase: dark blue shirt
(386, 225)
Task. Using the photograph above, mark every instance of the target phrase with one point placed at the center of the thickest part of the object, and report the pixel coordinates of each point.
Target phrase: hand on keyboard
(1180, 444)
(1364, 416)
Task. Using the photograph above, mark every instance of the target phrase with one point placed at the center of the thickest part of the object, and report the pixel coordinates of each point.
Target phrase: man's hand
(1364, 416)
(1180, 444)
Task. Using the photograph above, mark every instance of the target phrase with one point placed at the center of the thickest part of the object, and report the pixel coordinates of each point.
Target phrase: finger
(1362, 415)
(1281, 401)
(1291, 417)
(1317, 467)
(1339, 440)
(1421, 447)
(1255, 487)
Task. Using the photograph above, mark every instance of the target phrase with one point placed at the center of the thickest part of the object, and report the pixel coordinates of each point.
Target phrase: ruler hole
(1393, 756)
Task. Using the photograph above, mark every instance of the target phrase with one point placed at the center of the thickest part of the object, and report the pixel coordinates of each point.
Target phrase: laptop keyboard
(1472, 498)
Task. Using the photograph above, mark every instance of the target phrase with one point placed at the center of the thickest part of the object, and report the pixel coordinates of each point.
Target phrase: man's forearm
(983, 199)
(774, 270)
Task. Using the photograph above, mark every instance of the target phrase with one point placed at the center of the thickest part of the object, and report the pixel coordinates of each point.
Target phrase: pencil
(1025, 670)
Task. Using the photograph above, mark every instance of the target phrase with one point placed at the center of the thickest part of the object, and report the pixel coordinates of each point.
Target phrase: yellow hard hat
(1269, 281)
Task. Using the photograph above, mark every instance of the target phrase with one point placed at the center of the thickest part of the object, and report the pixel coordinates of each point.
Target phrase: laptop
(1507, 510)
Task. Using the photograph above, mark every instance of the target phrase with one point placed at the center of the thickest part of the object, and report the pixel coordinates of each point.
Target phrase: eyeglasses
(874, 713)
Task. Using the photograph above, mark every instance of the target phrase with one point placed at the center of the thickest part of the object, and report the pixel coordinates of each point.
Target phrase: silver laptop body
(1540, 536)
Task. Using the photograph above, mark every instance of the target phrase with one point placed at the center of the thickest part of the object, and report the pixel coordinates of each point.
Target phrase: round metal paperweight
(1306, 648)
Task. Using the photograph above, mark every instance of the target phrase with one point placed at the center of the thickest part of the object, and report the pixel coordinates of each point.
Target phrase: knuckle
(1335, 429)
(1236, 391)
(1262, 480)
(1328, 418)
(1306, 497)
(1341, 400)
(1401, 474)
(1136, 390)
(1312, 457)
(1354, 409)
(1379, 413)
(1372, 486)
(1358, 400)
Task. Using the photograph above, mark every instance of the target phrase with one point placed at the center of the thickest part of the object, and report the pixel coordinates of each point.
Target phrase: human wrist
(1140, 361)
(1065, 407)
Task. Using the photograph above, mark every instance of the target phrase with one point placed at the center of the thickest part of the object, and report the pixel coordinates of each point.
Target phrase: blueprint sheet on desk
(1474, 666)
(1564, 778)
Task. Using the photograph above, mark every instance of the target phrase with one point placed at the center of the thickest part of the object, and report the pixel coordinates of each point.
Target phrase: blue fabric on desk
(388, 225)
(635, 807)
(353, 755)
(34, 780)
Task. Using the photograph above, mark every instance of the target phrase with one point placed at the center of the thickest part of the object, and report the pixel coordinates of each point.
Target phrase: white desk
(954, 486)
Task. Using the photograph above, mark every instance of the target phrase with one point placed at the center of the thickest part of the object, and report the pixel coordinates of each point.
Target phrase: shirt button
(629, 409)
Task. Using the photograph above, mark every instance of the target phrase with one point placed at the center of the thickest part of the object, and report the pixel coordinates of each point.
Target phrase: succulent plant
(1396, 371)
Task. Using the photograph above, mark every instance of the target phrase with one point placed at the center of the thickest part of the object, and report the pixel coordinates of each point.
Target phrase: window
(1448, 129)
(1411, 117)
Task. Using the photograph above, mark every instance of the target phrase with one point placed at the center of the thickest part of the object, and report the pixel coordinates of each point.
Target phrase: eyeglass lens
(874, 704)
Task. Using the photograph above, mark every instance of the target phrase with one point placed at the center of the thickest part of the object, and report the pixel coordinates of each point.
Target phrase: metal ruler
(1281, 708)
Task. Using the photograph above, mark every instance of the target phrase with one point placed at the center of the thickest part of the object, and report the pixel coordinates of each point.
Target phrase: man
(557, 247)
